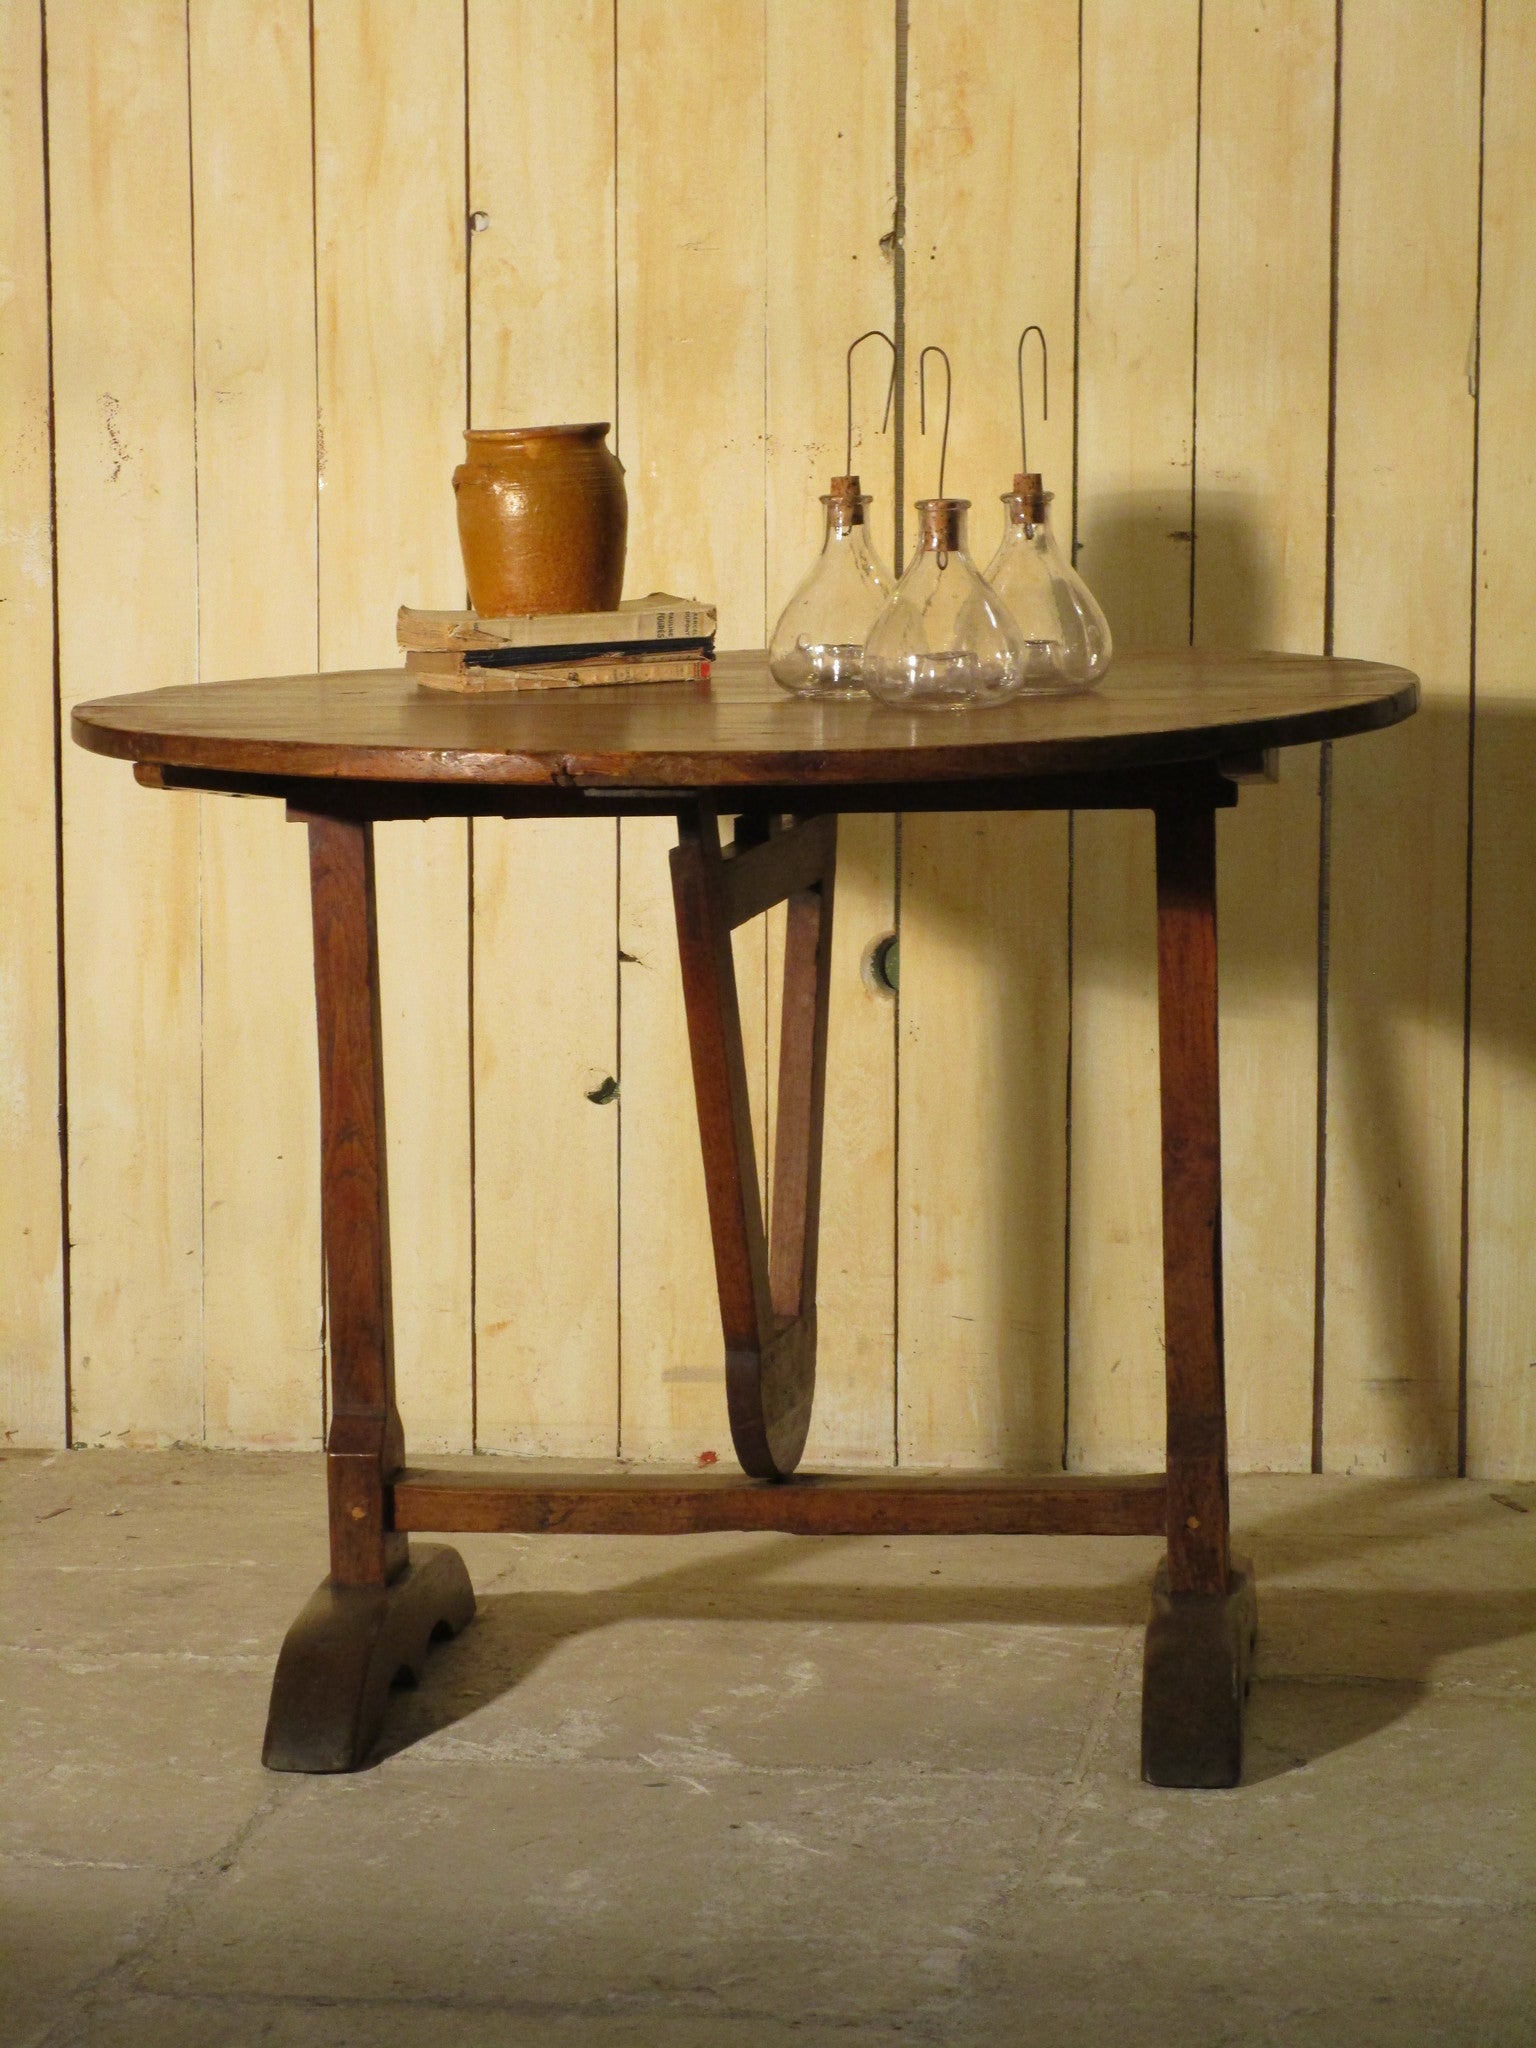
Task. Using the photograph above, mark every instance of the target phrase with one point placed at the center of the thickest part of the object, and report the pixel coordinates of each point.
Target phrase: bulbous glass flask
(817, 649)
(945, 639)
(1062, 621)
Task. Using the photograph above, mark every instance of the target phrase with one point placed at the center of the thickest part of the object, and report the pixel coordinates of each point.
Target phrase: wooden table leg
(1201, 1635)
(767, 1288)
(376, 1614)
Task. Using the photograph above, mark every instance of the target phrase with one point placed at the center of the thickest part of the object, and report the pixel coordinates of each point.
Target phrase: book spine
(599, 629)
(440, 670)
(657, 625)
(579, 652)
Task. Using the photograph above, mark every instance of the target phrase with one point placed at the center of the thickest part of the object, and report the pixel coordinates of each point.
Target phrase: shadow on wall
(1390, 994)
(1397, 997)
(984, 892)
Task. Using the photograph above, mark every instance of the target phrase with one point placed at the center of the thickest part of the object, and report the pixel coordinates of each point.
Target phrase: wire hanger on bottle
(869, 334)
(1045, 391)
(933, 349)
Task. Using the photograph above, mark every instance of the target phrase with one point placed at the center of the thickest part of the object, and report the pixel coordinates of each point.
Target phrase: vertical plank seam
(1072, 544)
(1462, 1361)
(201, 801)
(1077, 287)
(1325, 772)
(469, 823)
(1194, 559)
(1066, 1199)
(314, 263)
(899, 283)
(469, 239)
(764, 454)
(901, 31)
(1194, 337)
(62, 1084)
(618, 1135)
(769, 1104)
(618, 845)
(615, 117)
(1320, 1140)
(319, 448)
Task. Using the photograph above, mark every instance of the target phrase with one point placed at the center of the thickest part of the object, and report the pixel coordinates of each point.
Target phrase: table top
(740, 729)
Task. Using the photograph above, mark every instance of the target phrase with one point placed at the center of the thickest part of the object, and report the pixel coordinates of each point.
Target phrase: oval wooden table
(1171, 733)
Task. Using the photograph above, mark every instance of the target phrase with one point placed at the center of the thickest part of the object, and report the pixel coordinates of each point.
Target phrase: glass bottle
(1059, 616)
(817, 649)
(945, 638)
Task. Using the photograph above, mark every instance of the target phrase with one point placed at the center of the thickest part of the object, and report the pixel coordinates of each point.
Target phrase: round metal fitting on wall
(880, 965)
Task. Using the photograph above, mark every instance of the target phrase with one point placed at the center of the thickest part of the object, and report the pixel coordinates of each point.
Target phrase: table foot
(1195, 1679)
(345, 1651)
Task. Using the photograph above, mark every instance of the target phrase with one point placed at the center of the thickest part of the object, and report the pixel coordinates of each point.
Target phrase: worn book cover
(443, 669)
(659, 619)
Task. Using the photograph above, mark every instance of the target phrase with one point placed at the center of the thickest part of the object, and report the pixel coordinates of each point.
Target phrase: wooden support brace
(767, 1298)
(365, 1442)
(1204, 1619)
(1192, 1287)
(652, 1503)
(756, 876)
(377, 1612)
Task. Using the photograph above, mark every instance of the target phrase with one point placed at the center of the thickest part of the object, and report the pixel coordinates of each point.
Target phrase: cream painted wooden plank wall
(1135, 458)
(254, 319)
(991, 246)
(246, 319)
(124, 465)
(831, 199)
(1501, 1280)
(391, 258)
(32, 1381)
(546, 975)
(1408, 191)
(1261, 555)
(692, 295)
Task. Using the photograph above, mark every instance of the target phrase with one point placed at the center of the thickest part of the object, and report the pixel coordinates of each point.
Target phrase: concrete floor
(758, 1790)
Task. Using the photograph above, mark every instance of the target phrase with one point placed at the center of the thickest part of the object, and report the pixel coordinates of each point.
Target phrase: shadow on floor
(1336, 1664)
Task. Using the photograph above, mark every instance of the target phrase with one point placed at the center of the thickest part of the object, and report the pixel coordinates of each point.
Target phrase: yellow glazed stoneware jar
(542, 520)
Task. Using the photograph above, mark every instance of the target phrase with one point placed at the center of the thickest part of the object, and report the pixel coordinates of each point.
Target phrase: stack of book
(655, 639)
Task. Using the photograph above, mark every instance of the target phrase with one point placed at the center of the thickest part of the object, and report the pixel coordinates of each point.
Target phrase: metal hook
(869, 334)
(1045, 389)
(933, 349)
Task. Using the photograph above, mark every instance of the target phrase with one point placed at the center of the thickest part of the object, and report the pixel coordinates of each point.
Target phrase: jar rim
(570, 430)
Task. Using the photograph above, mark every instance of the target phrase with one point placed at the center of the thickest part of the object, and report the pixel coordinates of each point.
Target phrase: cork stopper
(941, 524)
(845, 504)
(1028, 488)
